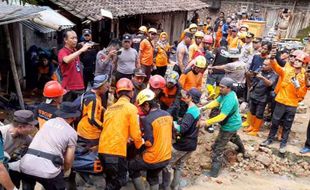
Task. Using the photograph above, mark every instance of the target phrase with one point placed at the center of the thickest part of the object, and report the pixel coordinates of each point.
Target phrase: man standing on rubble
(230, 121)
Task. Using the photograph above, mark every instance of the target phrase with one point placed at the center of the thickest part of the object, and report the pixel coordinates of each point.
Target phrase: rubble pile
(261, 159)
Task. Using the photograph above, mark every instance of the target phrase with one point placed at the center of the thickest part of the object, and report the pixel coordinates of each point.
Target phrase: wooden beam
(13, 67)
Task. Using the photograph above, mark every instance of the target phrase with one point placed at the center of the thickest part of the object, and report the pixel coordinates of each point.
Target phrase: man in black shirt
(259, 94)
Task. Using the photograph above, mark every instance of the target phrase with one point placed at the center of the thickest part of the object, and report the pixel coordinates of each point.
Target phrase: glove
(177, 127)
(295, 83)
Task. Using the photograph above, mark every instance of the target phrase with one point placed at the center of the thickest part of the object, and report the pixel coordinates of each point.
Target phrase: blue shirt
(229, 106)
(257, 63)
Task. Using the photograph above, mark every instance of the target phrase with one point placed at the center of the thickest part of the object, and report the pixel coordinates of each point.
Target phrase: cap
(200, 23)
(25, 117)
(234, 29)
(249, 35)
(228, 82)
(195, 94)
(257, 39)
(99, 80)
(86, 32)
(188, 34)
(139, 72)
(127, 37)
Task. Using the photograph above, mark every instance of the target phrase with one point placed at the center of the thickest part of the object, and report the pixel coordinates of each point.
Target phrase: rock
(266, 150)
(276, 170)
(302, 109)
(240, 157)
(264, 159)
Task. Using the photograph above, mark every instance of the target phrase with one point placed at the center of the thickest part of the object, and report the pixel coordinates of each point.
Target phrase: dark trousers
(282, 113)
(72, 95)
(307, 144)
(17, 177)
(160, 71)
(147, 70)
(88, 76)
(115, 168)
(56, 183)
(152, 170)
(257, 108)
(119, 75)
(221, 141)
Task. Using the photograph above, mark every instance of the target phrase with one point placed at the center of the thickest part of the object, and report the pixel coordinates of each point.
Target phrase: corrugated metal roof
(90, 9)
(51, 17)
(16, 13)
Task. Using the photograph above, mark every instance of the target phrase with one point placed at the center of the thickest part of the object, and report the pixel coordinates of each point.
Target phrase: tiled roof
(91, 8)
(16, 13)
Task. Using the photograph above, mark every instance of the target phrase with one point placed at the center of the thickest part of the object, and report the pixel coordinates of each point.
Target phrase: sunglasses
(293, 56)
(126, 41)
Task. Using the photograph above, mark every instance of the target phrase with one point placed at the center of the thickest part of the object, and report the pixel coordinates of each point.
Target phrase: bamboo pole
(13, 67)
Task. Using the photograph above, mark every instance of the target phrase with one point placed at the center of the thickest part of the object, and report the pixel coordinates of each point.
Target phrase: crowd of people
(154, 121)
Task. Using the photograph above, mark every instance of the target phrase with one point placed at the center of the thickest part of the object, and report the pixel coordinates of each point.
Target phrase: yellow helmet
(201, 62)
(199, 34)
(193, 28)
(143, 29)
(242, 35)
(152, 30)
(144, 96)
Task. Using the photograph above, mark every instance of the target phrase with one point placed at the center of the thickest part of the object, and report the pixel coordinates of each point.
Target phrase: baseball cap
(234, 29)
(257, 39)
(86, 32)
(228, 82)
(249, 35)
(25, 117)
(195, 94)
(99, 80)
(139, 72)
(127, 37)
(188, 34)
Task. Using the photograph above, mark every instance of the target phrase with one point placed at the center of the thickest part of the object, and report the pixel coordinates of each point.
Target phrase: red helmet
(208, 39)
(53, 89)
(301, 57)
(124, 84)
(157, 82)
(297, 52)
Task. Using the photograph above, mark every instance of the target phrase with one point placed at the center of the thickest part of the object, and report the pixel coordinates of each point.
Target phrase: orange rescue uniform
(146, 52)
(190, 80)
(121, 122)
(287, 93)
(90, 125)
(169, 95)
(158, 136)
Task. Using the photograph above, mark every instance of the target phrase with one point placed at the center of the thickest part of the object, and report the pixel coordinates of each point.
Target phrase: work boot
(266, 142)
(252, 122)
(282, 149)
(154, 187)
(176, 179)
(248, 121)
(215, 169)
(138, 183)
(257, 125)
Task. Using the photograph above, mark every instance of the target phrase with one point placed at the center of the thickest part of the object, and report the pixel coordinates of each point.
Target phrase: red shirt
(71, 72)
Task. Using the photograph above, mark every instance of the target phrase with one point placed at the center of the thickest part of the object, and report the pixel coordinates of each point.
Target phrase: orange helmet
(157, 82)
(124, 84)
(53, 89)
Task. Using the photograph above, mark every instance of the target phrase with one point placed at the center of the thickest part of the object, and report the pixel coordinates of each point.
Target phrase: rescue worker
(186, 135)
(54, 92)
(207, 24)
(157, 126)
(90, 126)
(233, 40)
(121, 124)
(247, 51)
(230, 121)
(156, 84)
(194, 47)
(138, 82)
(291, 91)
(162, 52)
(170, 96)
(137, 39)
(146, 52)
(193, 78)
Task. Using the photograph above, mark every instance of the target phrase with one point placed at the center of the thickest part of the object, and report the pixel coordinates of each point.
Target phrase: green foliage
(303, 33)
